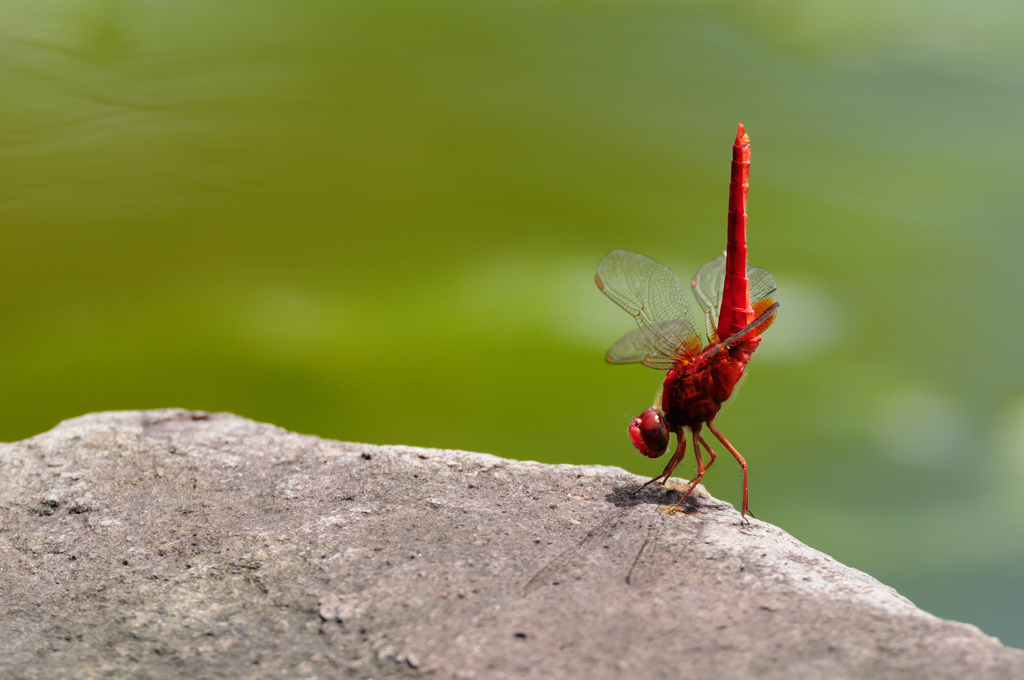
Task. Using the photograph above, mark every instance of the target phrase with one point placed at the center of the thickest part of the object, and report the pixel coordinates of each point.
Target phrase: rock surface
(171, 544)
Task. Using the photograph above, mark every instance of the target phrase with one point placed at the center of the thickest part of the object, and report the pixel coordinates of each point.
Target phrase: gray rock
(170, 544)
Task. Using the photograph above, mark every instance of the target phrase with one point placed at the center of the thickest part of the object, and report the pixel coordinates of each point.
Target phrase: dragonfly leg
(710, 452)
(743, 464)
(701, 469)
(671, 467)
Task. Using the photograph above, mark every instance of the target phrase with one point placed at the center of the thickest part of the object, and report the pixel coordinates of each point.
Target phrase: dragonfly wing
(764, 293)
(654, 297)
(635, 348)
(707, 286)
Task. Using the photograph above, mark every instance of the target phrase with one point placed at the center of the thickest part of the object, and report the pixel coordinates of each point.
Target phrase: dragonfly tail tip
(741, 136)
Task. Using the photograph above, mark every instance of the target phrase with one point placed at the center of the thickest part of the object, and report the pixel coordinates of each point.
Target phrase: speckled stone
(173, 544)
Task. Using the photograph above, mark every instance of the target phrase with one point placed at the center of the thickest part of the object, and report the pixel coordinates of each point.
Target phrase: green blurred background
(379, 221)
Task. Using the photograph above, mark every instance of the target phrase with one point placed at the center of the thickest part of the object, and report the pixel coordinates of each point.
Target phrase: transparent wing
(764, 293)
(635, 348)
(707, 286)
(656, 300)
(709, 281)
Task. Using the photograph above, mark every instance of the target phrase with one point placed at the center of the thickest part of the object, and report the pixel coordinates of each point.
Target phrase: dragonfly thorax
(694, 391)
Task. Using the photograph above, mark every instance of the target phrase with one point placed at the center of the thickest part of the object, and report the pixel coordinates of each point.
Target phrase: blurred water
(379, 222)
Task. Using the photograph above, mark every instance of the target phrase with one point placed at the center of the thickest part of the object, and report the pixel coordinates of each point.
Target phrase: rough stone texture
(170, 544)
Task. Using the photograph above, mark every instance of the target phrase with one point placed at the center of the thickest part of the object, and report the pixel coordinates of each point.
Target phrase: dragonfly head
(649, 434)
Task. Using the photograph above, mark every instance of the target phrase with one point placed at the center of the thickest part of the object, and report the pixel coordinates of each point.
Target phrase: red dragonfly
(739, 303)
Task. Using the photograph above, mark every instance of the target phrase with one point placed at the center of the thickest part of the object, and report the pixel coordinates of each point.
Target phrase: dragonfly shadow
(628, 543)
(632, 496)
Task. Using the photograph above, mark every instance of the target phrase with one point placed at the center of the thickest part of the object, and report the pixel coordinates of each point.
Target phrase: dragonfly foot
(662, 478)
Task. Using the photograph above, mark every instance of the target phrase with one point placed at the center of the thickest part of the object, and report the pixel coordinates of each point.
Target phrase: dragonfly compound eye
(649, 434)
